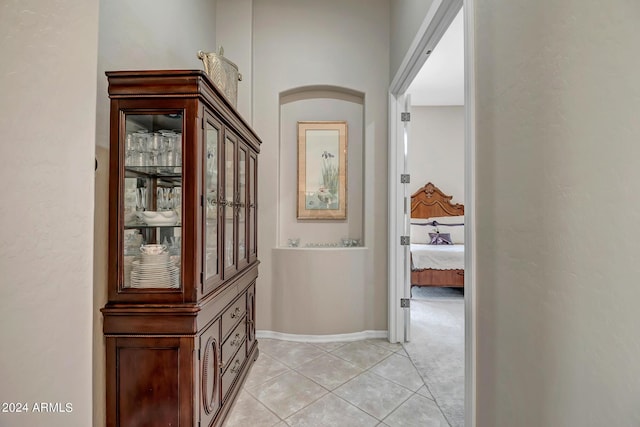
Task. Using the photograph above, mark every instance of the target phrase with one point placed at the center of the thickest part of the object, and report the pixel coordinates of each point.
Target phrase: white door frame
(439, 16)
(398, 269)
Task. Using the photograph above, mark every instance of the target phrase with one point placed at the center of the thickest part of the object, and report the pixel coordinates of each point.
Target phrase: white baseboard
(354, 336)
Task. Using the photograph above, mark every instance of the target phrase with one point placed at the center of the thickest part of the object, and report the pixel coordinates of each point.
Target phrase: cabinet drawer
(232, 315)
(235, 365)
(233, 343)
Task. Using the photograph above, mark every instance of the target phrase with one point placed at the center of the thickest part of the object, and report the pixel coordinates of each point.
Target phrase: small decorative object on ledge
(293, 242)
(344, 243)
(349, 242)
(323, 245)
(222, 72)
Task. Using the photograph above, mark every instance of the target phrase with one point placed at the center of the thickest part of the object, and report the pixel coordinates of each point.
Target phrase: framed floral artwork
(322, 170)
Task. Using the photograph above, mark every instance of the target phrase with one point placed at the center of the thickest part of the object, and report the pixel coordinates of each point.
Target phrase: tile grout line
(331, 392)
(306, 406)
(428, 389)
(396, 408)
(367, 370)
(379, 376)
(292, 369)
(295, 412)
(263, 405)
(364, 370)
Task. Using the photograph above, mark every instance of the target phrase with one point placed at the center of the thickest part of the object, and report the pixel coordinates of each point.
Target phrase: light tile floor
(362, 383)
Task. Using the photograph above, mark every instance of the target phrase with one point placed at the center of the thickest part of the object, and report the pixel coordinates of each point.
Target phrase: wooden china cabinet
(179, 323)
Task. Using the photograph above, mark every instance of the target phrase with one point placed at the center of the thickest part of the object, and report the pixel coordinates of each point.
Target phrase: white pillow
(420, 233)
(457, 232)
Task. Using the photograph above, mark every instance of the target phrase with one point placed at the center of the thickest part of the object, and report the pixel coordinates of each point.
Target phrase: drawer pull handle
(235, 313)
(236, 367)
(236, 340)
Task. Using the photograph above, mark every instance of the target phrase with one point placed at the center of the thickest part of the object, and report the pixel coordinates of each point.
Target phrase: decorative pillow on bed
(440, 239)
(453, 225)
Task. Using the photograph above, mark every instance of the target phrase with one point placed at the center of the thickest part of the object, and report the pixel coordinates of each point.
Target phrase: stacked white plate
(155, 271)
(128, 267)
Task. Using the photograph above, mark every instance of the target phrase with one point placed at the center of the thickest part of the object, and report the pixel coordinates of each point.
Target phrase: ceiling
(441, 79)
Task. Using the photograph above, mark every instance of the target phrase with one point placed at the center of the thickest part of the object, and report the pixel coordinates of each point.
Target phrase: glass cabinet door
(211, 262)
(152, 195)
(229, 207)
(252, 217)
(242, 205)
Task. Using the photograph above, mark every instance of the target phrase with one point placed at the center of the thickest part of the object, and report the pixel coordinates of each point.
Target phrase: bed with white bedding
(438, 257)
(433, 215)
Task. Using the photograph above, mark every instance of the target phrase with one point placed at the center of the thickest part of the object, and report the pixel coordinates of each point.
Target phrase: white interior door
(405, 118)
(399, 213)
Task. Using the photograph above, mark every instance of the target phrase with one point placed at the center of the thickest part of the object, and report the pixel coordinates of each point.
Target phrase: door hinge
(202, 200)
(405, 302)
(404, 240)
(198, 354)
(201, 277)
(405, 178)
(405, 117)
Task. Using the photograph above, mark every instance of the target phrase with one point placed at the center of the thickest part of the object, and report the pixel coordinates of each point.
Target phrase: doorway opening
(454, 177)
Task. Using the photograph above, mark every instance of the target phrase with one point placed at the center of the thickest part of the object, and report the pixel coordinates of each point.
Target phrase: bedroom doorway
(439, 18)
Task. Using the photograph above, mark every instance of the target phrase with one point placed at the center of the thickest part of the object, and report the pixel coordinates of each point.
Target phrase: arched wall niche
(321, 91)
(311, 281)
(320, 103)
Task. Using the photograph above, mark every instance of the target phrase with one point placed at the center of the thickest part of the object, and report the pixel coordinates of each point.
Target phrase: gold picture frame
(322, 170)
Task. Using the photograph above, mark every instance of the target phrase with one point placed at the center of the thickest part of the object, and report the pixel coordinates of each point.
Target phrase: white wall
(557, 187)
(138, 35)
(436, 149)
(234, 19)
(300, 43)
(148, 35)
(47, 117)
(406, 19)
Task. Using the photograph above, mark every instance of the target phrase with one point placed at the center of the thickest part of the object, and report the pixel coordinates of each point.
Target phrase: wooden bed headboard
(429, 201)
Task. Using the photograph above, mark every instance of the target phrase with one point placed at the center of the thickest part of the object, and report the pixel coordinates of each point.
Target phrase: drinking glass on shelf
(141, 199)
(142, 139)
(176, 198)
(177, 148)
(130, 204)
(159, 199)
(141, 144)
(167, 139)
(168, 198)
(174, 245)
(141, 159)
(155, 147)
(130, 143)
(176, 202)
(164, 198)
(131, 150)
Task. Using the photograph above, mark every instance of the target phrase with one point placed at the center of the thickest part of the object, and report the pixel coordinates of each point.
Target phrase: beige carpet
(437, 347)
